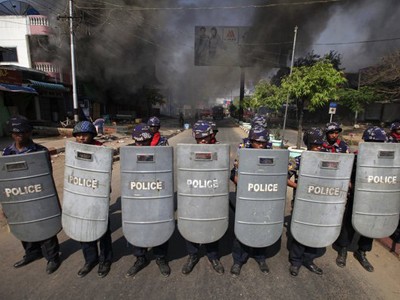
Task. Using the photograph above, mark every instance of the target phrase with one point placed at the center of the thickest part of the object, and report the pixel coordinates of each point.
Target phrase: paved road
(31, 282)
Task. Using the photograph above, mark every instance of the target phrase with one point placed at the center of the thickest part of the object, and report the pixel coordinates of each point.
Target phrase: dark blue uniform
(48, 248)
(142, 133)
(300, 254)
(394, 138)
(90, 250)
(241, 252)
(347, 231)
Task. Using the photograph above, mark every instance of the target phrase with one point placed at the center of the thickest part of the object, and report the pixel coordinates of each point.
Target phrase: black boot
(360, 256)
(189, 265)
(140, 263)
(27, 260)
(235, 270)
(263, 266)
(341, 258)
(162, 263)
(217, 266)
(53, 265)
(104, 269)
(87, 267)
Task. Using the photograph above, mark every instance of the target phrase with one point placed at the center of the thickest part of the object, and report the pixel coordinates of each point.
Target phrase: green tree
(313, 85)
(356, 100)
(269, 95)
(308, 60)
(250, 103)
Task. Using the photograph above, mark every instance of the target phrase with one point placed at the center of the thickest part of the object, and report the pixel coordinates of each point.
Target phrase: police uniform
(202, 129)
(240, 251)
(372, 134)
(336, 145)
(394, 137)
(91, 252)
(48, 248)
(141, 133)
(299, 254)
(157, 139)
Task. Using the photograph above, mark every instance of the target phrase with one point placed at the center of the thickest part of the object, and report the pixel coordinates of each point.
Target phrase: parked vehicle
(218, 113)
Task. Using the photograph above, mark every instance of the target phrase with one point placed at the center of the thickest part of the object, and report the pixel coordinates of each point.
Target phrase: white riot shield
(147, 193)
(28, 196)
(321, 197)
(203, 193)
(376, 205)
(261, 196)
(87, 182)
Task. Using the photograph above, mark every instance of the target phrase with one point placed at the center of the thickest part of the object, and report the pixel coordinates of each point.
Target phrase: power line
(358, 42)
(49, 7)
(207, 7)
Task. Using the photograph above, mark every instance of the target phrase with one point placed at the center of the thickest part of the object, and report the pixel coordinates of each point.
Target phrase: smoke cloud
(122, 47)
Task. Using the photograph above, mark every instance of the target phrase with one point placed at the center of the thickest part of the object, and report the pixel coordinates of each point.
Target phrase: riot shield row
(30, 201)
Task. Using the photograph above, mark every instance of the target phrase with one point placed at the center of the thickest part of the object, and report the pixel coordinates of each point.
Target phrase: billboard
(220, 46)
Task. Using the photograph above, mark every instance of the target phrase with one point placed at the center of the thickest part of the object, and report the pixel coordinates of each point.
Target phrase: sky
(124, 41)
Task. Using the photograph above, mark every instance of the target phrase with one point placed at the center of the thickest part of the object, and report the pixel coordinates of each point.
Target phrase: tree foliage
(249, 103)
(314, 85)
(268, 95)
(356, 100)
(308, 60)
(384, 77)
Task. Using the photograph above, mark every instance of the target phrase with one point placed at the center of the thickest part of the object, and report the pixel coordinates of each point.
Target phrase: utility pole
(241, 94)
(358, 89)
(73, 74)
(290, 74)
(70, 18)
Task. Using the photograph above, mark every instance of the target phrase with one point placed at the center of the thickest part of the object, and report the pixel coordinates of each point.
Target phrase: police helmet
(154, 122)
(259, 120)
(19, 124)
(395, 126)
(141, 132)
(84, 127)
(333, 126)
(374, 134)
(313, 136)
(259, 133)
(201, 129)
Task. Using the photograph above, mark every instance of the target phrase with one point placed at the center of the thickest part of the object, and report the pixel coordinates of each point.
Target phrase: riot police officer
(258, 138)
(142, 135)
(333, 143)
(394, 135)
(157, 140)
(300, 254)
(371, 134)
(21, 133)
(85, 132)
(202, 132)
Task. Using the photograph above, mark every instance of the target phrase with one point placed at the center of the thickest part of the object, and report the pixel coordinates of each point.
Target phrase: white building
(29, 81)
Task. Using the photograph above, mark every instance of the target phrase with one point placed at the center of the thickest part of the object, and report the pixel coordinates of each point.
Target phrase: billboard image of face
(219, 46)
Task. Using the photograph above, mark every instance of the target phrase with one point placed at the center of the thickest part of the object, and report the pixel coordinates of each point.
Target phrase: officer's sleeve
(233, 174)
